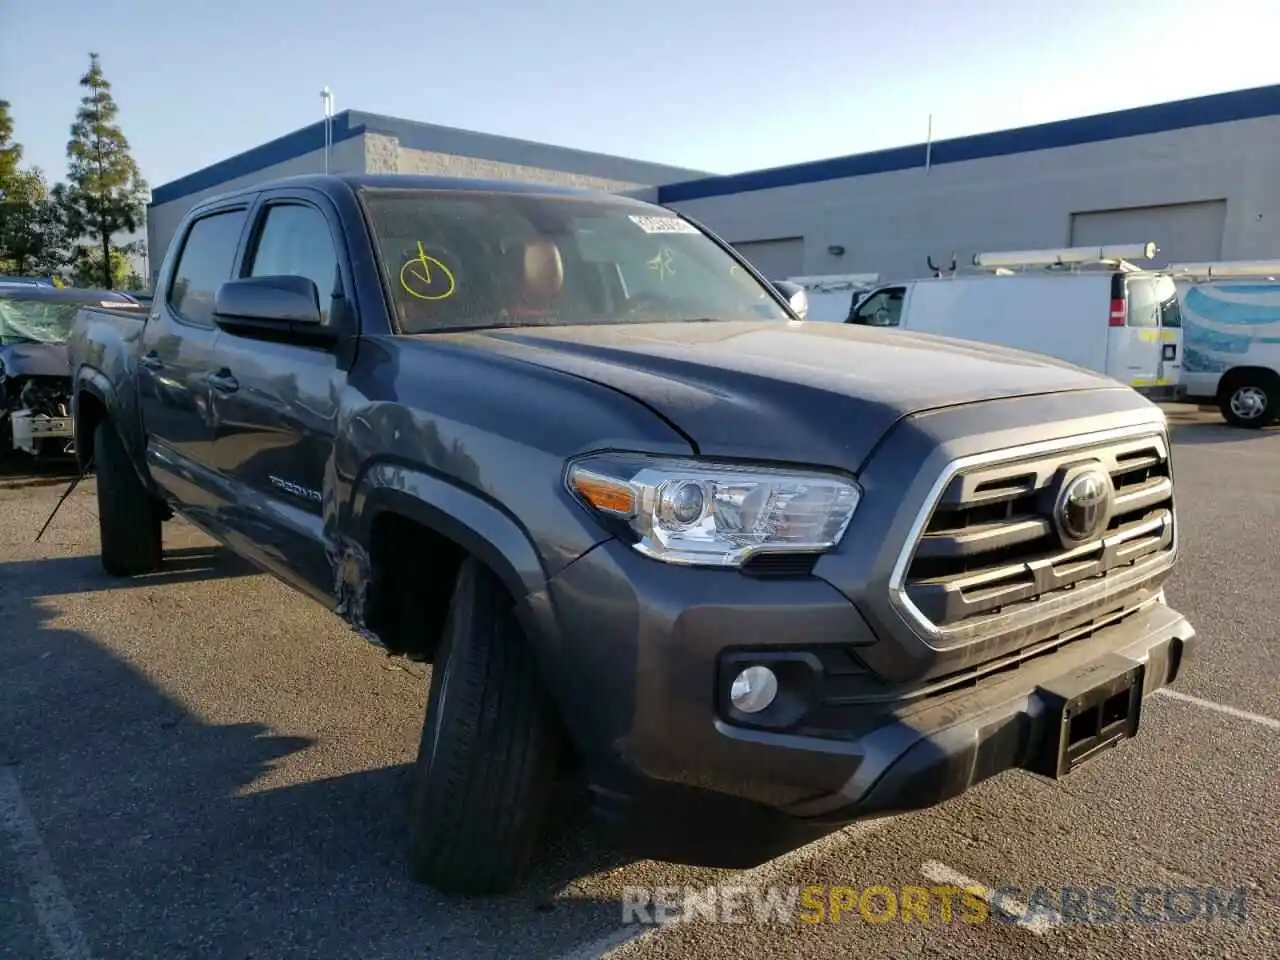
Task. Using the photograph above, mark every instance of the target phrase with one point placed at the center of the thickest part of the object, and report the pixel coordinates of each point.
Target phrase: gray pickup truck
(743, 577)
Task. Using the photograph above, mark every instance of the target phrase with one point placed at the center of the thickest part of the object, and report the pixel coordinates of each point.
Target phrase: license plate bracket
(1087, 712)
(50, 427)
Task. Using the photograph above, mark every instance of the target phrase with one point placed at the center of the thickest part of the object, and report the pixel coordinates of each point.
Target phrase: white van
(833, 296)
(1231, 337)
(1089, 306)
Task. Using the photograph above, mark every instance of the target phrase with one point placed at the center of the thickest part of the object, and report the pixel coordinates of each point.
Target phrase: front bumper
(938, 750)
(652, 649)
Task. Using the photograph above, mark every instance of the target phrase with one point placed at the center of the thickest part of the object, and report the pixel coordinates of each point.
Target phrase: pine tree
(31, 237)
(105, 190)
(10, 152)
(32, 234)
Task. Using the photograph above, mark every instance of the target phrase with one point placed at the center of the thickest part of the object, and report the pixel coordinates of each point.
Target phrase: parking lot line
(1039, 923)
(1268, 722)
(48, 897)
(623, 941)
(603, 947)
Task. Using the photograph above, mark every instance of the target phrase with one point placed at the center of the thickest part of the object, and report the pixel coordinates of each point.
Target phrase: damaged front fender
(477, 526)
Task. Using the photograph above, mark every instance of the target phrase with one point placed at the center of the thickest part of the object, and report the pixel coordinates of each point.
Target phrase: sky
(716, 85)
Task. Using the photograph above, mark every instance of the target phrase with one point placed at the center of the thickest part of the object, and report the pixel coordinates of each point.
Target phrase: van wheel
(490, 749)
(129, 518)
(1250, 400)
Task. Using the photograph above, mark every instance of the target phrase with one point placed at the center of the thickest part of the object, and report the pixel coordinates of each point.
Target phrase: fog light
(753, 689)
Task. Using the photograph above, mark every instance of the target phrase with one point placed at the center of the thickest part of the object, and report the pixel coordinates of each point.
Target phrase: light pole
(326, 96)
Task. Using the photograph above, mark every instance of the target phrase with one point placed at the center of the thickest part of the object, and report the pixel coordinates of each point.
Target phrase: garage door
(776, 259)
(1183, 231)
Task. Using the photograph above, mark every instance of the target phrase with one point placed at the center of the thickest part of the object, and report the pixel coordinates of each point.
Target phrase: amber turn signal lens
(605, 493)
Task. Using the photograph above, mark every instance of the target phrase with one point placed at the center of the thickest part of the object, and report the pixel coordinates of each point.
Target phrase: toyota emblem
(1083, 508)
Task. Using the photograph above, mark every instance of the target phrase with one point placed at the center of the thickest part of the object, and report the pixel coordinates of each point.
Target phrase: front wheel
(490, 749)
(129, 518)
(1250, 401)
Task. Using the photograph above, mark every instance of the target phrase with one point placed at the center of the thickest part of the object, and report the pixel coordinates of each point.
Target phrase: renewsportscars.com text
(817, 904)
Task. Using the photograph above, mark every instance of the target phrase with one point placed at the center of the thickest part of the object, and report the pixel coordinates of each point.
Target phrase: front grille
(990, 561)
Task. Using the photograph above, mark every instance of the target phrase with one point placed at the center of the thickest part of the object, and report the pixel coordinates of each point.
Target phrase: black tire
(1250, 400)
(490, 750)
(129, 518)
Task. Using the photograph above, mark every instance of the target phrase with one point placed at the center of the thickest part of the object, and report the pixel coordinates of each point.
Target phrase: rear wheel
(1250, 399)
(490, 749)
(129, 518)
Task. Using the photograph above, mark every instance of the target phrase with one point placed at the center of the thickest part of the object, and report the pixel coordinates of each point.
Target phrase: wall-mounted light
(836, 250)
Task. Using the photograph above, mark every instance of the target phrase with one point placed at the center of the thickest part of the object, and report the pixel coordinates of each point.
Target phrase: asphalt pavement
(203, 763)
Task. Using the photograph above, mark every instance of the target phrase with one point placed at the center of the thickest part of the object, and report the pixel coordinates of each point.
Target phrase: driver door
(276, 404)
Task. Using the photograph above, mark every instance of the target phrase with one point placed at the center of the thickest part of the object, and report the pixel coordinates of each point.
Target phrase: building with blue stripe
(1197, 176)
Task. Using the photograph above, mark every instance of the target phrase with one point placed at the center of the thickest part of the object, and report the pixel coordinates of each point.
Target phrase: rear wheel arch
(92, 405)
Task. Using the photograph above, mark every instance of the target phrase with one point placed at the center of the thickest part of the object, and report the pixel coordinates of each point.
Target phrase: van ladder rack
(1224, 269)
(1116, 257)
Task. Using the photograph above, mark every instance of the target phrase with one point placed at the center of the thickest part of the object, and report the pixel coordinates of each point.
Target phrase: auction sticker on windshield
(662, 224)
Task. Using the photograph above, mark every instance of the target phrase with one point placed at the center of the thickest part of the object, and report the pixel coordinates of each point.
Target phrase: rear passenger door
(1138, 353)
(175, 356)
(276, 403)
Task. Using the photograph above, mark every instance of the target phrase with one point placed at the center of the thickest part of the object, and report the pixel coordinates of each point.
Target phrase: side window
(204, 265)
(295, 241)
(882, 309)
(1144, 305)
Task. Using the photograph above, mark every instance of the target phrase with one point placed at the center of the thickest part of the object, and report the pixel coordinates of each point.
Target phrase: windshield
(470, 259)
(35, 321)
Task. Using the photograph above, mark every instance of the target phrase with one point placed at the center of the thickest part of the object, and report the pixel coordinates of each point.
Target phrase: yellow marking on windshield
(663, 264)
(417, 280)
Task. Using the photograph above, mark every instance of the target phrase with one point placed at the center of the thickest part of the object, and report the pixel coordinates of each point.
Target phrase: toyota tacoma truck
(741, 577)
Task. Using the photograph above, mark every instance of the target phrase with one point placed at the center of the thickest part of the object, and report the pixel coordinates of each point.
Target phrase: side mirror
(277, 308)
(795, 295)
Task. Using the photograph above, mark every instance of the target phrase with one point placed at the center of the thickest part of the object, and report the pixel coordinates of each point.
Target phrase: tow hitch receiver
(1086, 712)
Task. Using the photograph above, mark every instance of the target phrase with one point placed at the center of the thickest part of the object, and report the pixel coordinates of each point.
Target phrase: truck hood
(804, 392)
(35, 360)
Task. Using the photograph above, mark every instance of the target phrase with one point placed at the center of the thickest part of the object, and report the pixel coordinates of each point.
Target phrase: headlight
(694, 512)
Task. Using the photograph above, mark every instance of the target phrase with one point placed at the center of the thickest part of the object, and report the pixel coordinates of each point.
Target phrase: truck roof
(331, 183)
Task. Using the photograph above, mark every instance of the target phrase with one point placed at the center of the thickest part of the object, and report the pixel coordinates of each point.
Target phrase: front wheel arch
(459, 516)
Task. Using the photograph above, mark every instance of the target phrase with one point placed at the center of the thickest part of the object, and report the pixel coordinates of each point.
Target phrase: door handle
(224, 382)
(151, 360)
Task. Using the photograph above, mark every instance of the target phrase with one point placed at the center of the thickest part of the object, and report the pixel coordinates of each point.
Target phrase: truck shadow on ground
(152, 821)
(18, 471)
(84, 574)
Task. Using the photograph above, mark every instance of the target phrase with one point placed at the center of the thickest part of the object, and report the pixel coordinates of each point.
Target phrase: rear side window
(204, 265)
(1153, 302)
